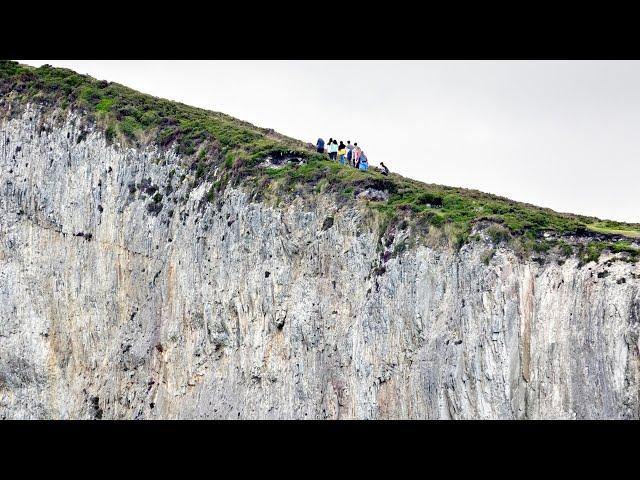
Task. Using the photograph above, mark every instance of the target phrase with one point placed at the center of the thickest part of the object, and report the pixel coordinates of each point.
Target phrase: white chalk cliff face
(115, 305)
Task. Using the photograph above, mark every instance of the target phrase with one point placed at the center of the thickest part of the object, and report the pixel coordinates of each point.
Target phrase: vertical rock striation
(123, 294)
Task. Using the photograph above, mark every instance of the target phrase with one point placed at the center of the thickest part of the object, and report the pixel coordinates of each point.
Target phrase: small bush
(186, 147)
(228, 162)
(129, 126)
(322, 185)
(110, 133)
(566, 250)
(429, 198)
(104, 105)
(541, 246)
(88, 95)
(624, 247)
(590, 252)
(498, 234)
(487, 256)
(430, 218)
(200, 170)
(459, 239)
(165, 136)
(149, 118)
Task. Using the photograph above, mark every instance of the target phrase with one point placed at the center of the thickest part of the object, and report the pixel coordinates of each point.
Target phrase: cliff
(142, 278)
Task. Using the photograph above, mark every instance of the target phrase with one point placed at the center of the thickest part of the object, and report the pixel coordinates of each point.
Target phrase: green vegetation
(487, 256)
(225, 151)
(104, 105)
(592, 251)
(129, 126)
(200, 170)
(565, 249)
(211, 194)
(110, 132)
(498, 234)
(613, 228)
(137, 115)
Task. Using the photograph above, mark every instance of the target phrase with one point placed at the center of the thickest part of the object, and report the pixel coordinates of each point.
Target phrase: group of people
(347, 154)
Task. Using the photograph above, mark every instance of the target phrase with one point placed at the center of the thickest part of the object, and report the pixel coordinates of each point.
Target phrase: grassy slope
(225, 151)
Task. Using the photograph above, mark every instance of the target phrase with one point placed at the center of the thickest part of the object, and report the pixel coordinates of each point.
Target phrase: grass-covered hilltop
(224, 151)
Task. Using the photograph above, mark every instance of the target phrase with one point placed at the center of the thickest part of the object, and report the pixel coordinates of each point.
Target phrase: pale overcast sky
(559, 134)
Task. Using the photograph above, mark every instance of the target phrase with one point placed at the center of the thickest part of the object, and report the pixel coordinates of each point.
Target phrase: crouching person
(363, 162)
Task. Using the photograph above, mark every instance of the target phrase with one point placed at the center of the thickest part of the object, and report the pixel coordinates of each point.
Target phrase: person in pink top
(356, 154)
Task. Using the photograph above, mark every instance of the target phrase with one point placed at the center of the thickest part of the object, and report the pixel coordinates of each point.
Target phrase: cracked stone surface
(114, 305)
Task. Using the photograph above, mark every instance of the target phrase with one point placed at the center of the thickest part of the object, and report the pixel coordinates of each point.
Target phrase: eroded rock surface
(117, 303)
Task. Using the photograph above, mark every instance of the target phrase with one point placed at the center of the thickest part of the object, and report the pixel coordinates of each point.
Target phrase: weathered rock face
(114, 304)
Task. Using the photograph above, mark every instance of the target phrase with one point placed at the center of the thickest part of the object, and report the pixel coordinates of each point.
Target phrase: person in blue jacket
(320, 145)
(364, 162)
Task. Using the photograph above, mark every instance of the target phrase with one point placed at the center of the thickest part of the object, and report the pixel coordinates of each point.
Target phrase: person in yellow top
(342, 151)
